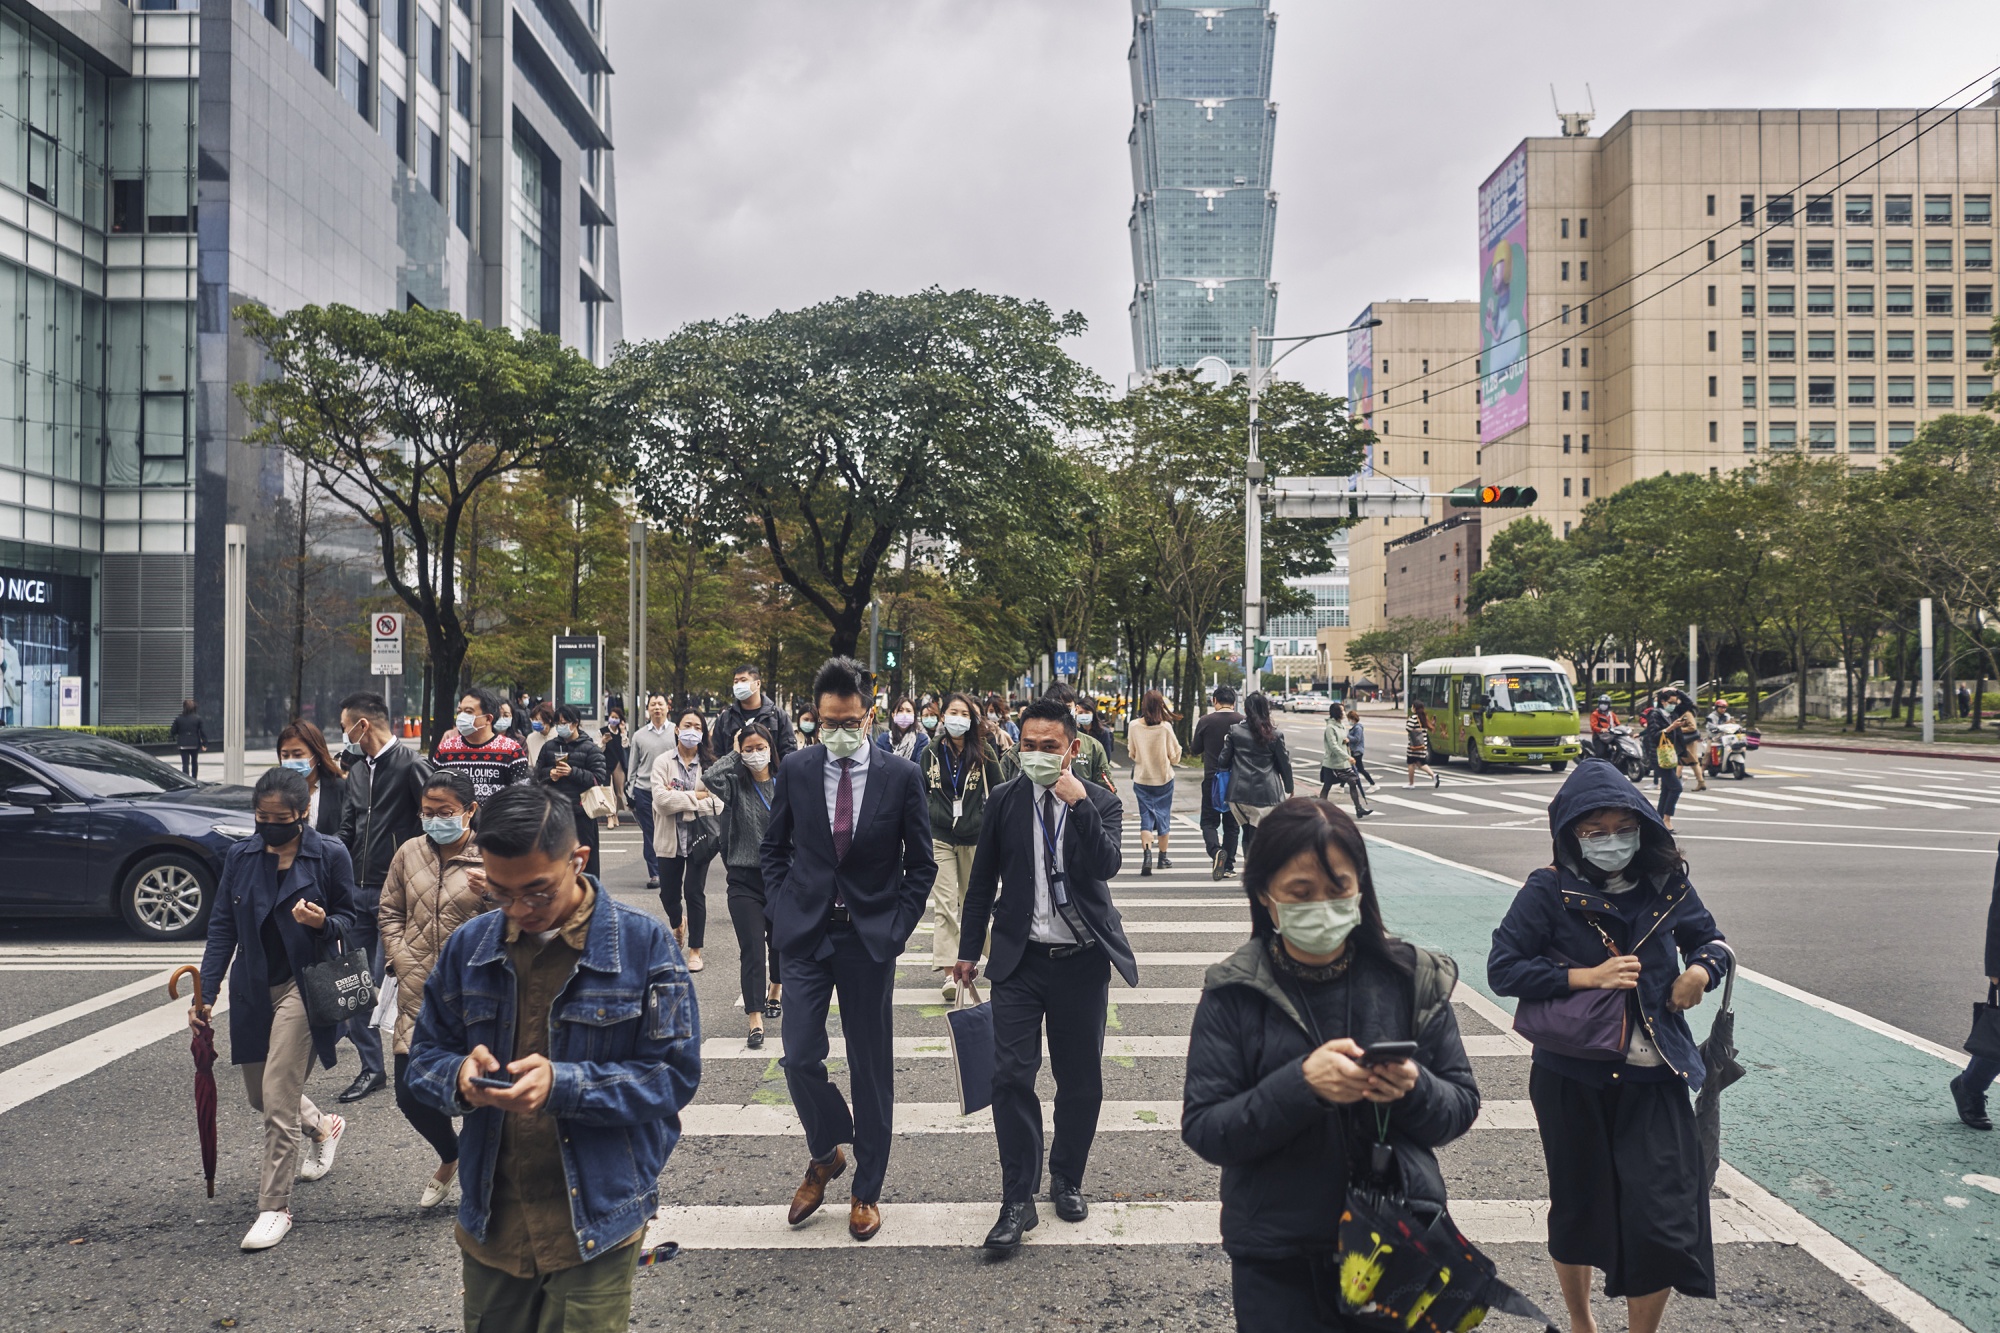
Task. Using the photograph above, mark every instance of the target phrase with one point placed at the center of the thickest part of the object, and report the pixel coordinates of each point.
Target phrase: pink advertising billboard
(1503, 298)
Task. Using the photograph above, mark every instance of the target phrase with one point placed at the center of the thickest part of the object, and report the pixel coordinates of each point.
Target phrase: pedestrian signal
(1493, 497)
(892, 651)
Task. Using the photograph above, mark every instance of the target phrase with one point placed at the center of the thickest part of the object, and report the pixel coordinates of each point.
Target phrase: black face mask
(280, 835)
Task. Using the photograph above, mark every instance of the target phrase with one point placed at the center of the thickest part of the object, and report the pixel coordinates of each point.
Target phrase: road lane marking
(1172, 902)
(1111, 1222)
(82, 1008)
(1115, 1047)
(752, 1120)
(1876, 795)
(1481, 800)
(1747, 802)
(1388, 799)
(70, 966)
(1865, 846)
(1953, 793)
(1789, 794)
(86, 1055)
(1233, 926)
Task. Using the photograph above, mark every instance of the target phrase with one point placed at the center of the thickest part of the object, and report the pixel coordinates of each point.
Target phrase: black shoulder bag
(338, 987)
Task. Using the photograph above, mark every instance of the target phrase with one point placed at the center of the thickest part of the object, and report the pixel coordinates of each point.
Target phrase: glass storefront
(44, 638)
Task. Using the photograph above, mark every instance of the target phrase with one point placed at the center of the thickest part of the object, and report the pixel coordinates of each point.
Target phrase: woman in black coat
(574, 763)
(302, 747)
(1277, 1094)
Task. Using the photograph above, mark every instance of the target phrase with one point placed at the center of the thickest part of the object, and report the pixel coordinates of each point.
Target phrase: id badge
(958, 810)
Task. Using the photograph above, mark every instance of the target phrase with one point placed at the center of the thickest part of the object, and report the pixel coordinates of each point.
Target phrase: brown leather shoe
(812, 1191)
(863, 1220)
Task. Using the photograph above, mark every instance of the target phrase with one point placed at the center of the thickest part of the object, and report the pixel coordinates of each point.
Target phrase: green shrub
(129, 735)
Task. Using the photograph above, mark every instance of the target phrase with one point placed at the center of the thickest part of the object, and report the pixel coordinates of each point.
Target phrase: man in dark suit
(1049, 843)
(847, 870)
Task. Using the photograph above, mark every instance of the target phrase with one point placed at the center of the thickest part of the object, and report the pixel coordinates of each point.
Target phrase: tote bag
(339, 986)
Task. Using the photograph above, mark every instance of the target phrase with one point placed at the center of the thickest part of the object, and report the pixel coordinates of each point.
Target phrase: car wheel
(1472, 759)
(1559, 765)
(167, 896)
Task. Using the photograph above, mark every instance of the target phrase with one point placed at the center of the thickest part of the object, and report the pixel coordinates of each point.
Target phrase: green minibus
(1503, 708)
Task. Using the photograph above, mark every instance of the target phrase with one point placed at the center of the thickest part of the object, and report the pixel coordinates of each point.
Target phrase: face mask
(278, 835)
(1083, 719)
(954, 725)
(298, 765)
(930, 724)
(538, 726)
(690, 738)
(444, 830)
(503, 723)
(808, 726)
(562, 731)
(1611, 853)
(1042, 769)
(904, 719)
(351, 748)
(1319, 928)
(843, 744)
(743, 689)
(467, 723)
(758, 760)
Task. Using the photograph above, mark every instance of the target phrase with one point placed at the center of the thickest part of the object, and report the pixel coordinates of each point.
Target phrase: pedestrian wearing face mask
(504, 723)
(282, 897)
(647, 745)
(927, 718)
(748, 703)
(743, 781)
(433, 888)
(302, 748)
(961, 769)
(1048, 847)
(611, 739)
(573, 763)
(541, 719)
(1259, 765)
(903, 738)
(678, 802)
(491, 758)
(1093, 761)
(808, 725)
(1281, 1092)
(1616, 912)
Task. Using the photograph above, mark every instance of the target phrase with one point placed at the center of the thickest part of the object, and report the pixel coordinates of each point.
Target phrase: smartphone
(501, 1079)
(1385, 1053)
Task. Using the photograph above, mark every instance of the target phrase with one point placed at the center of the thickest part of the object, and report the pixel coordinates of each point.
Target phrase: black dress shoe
(1068, 1199)
(1971, 1107)
(1016, 1220)
(362, 1086)
(756, 1039)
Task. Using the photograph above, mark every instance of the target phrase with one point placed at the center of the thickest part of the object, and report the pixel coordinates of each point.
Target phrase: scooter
(1729, 745)
(1621, 746)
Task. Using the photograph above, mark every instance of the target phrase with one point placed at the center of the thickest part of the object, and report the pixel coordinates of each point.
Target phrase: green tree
(845, 428)
(1380, 652)
(404, 418)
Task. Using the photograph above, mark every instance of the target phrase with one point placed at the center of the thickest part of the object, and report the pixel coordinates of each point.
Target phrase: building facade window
(1822, 437)
(1978, 388)
(1899, 345)
(1860, 300)
(1861, 391)
(396, 123)
(1979, 210)
(309, 34)
(1937, 210)
(1899, 301)
(1749, 437)
(1979, 345)
(1778, 210)
(1861, 254)
(1937, 255)
(1978, 300)
(1784, 436)
(1749, 345)
(1938, 345)
(1778, 254)
(353, 78)
(1978, 255)
(1819, 254)
(461, 84)
(1819, 345)
(1749, 391)
(1860, 437)
(1940, 391)
(1901, 433)
(1898, 256)
(1861, 345)
(1937, 300)
(430, 160)
(430, 49)
(1902, 391)
(1860, 210)
(534, 222)
(1780, 301)
(1782, 345)
(1819, 300)
(1784, 391)
(1820, 391)
(1896, 210)
(461, 194)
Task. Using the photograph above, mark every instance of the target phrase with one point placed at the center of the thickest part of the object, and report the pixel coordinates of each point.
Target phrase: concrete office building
(1204, 212)
(1429, 571)
(159, 168)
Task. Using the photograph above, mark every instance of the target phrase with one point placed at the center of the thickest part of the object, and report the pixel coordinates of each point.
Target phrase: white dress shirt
(1045, 925)
(857, 782)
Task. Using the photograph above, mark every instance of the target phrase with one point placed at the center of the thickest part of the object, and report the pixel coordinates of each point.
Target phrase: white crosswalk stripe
(756, 1120)
(1875, 794)
(1510, 807)
(1116, 1047)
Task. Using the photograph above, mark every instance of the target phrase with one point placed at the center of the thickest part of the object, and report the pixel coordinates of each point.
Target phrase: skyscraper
(161, 163)
(1204, 211)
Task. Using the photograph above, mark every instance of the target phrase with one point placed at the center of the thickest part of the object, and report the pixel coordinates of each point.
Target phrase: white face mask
(1083, 719)
(467, 723)
(690, 738)
(561, 732)
(757, 760)
(503, 722)
(954, 725)
(743, 689)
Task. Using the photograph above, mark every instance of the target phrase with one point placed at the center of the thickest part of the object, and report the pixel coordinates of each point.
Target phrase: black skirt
(1625, 1191)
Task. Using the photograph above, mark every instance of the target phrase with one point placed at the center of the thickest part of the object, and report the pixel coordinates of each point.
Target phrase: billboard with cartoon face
(1503, 293)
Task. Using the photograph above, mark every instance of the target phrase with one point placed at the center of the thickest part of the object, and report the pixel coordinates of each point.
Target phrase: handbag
(704, 839)
(1584, 1024)
(969, 1025)
(598, 803)
(1666, 756)
(1985, 1039)
(339, 986)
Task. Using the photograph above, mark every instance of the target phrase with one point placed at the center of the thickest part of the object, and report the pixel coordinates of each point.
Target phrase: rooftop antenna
(1575, 124)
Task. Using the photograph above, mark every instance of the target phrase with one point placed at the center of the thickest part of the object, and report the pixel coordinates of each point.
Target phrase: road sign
(385, 644)
(69, 701)
(1350, 497)
(1065, 664)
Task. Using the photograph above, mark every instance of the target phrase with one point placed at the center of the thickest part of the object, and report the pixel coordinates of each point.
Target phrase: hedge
(129, 735)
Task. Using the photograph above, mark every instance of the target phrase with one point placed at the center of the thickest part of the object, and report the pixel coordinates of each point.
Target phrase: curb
(1859, 749)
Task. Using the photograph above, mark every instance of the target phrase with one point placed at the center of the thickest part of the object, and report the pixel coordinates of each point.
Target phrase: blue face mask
(538, 726)
(444, 830)
(298, 765)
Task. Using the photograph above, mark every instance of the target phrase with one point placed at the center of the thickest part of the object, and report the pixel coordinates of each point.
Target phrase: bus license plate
(1535, 756)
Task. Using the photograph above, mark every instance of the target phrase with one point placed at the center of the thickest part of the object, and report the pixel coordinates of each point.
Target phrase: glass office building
(1204, 211)
(161, 163)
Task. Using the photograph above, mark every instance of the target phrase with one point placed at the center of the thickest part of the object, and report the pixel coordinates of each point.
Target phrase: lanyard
(758, 788)
(954, 776)
(1050, 841)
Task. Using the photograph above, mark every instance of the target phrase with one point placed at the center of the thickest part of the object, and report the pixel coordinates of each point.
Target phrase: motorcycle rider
(1602, 720)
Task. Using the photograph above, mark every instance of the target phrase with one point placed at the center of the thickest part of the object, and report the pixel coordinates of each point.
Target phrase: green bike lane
(1851, 1127)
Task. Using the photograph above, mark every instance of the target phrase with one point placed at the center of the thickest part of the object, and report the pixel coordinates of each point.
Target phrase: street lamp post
(1253, 510)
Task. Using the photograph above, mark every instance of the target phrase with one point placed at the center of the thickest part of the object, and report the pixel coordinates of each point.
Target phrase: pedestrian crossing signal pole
(1930, 688)
(235, 633)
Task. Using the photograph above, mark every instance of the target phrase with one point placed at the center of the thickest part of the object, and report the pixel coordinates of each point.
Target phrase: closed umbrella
(1718, 1054)
(202, 1046)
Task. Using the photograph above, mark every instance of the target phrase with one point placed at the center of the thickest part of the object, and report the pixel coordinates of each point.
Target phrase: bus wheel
(1559, 765)
(1472, 759)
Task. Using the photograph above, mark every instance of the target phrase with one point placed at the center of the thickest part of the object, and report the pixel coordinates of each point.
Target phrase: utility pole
(635, 620)
(235, 633)
(874, 637)
(1694, 665)
(1930, 687)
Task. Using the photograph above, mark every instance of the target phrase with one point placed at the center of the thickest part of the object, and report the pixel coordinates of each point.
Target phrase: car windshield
(106, 768)
(1530, 692)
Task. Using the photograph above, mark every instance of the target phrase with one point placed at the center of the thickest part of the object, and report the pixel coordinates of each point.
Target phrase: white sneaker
(268, 1230)
(317, 1158)
(436, 1191)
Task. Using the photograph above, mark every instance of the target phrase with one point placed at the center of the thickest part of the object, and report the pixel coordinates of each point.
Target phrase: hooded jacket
(1285, 1153)
(1661, 920)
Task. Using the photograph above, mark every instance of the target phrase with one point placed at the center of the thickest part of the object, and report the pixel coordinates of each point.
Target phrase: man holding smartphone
(562, 1026)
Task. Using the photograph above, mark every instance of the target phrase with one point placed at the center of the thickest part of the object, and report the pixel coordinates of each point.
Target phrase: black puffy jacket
(1284, 1153)
(587, 768)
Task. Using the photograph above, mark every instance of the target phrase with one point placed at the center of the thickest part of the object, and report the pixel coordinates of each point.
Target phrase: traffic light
(1492, 497)
(1260, 648)
(892, 650)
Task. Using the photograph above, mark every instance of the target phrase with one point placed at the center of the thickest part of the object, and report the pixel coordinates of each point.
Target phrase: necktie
(843, 811)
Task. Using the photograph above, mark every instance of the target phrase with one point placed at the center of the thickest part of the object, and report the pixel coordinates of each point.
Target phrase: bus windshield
(1530, 692)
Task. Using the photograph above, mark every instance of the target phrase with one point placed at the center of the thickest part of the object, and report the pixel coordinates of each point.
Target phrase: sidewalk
(1888, 744)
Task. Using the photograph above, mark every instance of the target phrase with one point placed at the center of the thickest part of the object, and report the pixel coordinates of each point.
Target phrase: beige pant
(954, 877)
(276, 1086)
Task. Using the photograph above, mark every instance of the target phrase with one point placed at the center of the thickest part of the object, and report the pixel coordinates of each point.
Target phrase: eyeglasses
(850, 724)
(534, 902)
(1599, 835)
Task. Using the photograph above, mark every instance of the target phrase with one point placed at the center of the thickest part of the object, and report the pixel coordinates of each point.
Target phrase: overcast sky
(774, 153)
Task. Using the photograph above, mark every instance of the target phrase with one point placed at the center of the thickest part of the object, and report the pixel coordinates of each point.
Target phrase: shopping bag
(1985, 1038)
(339, 987)
(1221, 790)
(970, 1026)
(598, 803)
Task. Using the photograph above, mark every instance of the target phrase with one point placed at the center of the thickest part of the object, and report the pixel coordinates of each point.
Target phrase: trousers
(954, 876)
(595, 1297)
(642, 810)
(276, 1088)
(191, 763)
(1218, 826)
(433, 1124)
(867, 992)
(1069, 997)
(684, 891)
(1276, 1294)
(753, 935)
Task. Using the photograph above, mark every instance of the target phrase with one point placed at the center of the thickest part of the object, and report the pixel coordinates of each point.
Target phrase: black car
(90, 827)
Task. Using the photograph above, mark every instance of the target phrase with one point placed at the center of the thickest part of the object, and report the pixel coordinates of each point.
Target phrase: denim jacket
(625, 1041)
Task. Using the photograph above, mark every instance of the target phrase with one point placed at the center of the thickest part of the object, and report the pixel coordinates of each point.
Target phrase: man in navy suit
(847, 870)
(1050, 843)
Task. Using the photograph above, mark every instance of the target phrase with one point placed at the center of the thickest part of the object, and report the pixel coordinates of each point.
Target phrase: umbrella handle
(174, 986)
(1728, 982)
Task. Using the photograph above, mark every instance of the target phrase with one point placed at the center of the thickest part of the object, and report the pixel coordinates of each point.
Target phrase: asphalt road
(105, 1226)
